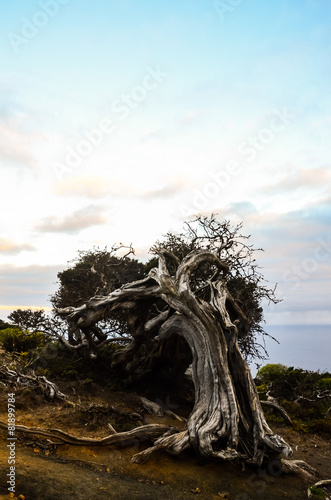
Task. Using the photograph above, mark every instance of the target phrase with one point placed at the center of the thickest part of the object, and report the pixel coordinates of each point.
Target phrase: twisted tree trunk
(227, 421)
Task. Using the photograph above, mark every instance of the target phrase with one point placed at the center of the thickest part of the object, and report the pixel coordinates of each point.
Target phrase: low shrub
(16, 340)
(297, 391)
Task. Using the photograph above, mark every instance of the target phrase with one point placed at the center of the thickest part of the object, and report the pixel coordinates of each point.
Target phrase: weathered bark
(158, 411)
(300, 467)
(151, 431)
(227, 421)
(48, 388)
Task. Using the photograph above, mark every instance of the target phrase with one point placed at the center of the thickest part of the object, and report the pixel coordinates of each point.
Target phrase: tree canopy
(98, 272)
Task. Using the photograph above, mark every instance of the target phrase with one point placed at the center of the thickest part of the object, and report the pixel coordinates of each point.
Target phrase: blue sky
(120, 119)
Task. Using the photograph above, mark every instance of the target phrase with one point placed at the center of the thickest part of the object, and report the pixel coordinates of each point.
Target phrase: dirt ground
(48, 472)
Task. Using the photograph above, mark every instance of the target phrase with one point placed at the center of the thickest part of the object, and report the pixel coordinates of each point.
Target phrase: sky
(119, 120)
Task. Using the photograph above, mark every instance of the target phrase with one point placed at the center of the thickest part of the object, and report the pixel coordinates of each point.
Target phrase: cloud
(239, 210)
(19, 306)
(86, 187)
(101, 187)
(304, 178)
(12, 248)
(166, 192)
(95, 187)
(73, 223)
(20, 286)
(16, 144)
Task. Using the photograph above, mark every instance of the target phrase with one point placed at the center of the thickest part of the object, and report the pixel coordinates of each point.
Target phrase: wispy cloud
(11, 248)
(24, 285)
(166, 192)
(96, 187)
(17, 141)
(19, 306)
(305, 178)
(85, 187)
(73, 223)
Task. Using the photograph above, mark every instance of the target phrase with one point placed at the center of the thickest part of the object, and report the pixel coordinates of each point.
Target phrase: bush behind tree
(305, 395)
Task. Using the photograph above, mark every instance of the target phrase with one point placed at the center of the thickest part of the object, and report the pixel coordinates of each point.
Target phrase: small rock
(225, 494)
(197, 490)
(161, 482)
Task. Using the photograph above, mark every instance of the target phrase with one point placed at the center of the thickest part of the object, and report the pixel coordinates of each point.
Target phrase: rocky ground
(48, 471)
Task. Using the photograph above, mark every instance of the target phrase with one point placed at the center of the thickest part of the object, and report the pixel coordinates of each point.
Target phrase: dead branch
(277, 407)
(48, 388)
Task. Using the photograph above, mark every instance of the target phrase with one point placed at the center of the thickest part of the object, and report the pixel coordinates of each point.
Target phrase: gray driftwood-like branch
(48, 388)
(227, 421)
(275, 406)
(150, 431)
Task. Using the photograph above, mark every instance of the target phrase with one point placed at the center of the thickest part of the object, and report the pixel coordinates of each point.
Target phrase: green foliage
(289, 383)
(60, 363)
(87, 382)
(42, 372)
(297, 391)
(28, 319)
(317, 492)
(16, 340)
(324, 383)
(95, 272)
(320, 426)
(270, 373)
(4, 325)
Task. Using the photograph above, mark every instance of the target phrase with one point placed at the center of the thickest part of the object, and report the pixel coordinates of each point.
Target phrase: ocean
(301, 346)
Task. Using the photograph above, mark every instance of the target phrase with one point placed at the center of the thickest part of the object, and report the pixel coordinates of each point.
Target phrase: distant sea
(301, 346)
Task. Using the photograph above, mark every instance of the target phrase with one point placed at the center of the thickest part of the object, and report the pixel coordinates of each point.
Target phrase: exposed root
(173, 443)
(300, 467)
(151, 431)
(157, 410)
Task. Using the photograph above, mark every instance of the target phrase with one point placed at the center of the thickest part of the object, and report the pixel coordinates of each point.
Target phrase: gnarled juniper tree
(199, 305)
